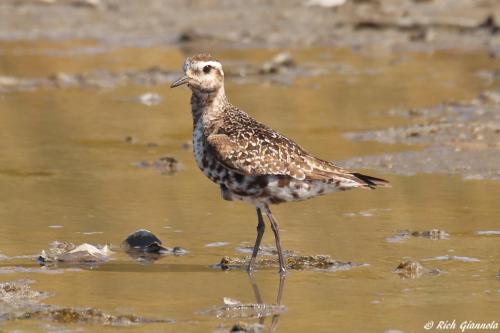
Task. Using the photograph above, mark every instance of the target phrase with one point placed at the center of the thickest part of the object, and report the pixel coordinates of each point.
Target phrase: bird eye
(207, 69)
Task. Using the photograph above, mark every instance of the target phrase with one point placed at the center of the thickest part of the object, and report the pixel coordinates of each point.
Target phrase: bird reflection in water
(258, 310)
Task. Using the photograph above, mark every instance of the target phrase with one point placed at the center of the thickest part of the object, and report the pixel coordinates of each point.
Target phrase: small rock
(191, 35)
(491, 96)
(9, 81)
(130, 139)
(179, 250)
(409, 269)
(167, 165)
(243, 327)
(18, 294)
(279, 63)
(188, 145)
(230, 301)
(62, 80)
(88, 3)
(150, 99)
(326, 3)
(432, 234)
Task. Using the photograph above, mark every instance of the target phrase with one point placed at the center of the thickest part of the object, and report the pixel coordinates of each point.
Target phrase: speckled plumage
(250, 161)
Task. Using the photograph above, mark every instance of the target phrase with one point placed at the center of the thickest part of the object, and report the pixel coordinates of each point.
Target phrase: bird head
(202, 73)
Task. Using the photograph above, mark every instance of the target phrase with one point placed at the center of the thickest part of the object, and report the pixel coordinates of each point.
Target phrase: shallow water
(65, 162)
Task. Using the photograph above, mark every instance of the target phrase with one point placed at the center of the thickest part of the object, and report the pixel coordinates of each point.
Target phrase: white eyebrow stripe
(214, 64)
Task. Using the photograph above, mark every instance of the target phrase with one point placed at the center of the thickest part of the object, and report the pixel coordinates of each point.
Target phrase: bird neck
(208, 105)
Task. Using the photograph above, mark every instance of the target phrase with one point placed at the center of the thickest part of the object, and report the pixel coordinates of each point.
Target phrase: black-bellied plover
(250, 161)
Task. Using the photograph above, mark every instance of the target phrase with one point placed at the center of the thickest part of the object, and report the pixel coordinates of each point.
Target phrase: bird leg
(261, 227)
(276, 230)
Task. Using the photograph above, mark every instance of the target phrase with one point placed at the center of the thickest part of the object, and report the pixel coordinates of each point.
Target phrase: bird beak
(180, 81)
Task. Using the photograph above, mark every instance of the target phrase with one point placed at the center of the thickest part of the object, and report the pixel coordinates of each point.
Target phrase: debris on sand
(410, 269)
(431, 234)
(167, 165)
(18, 295)
(88, 316)
(294, 262)
(144, 246)
(434, 234)
(65, 252)
(232, 309)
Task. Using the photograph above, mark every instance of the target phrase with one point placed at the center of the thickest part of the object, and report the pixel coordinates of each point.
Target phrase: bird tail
(371, 182)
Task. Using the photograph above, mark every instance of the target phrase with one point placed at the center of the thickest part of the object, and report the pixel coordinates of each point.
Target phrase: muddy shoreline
(454, 138)
(200, 25)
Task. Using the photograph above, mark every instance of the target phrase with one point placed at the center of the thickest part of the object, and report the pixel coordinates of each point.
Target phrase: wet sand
(195, 25)
(452, 138)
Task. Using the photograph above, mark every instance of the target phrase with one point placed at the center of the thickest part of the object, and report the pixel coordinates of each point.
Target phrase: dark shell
(143, 240)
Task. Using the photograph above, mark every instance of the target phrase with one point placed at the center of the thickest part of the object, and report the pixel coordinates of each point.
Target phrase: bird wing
(251, 148)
